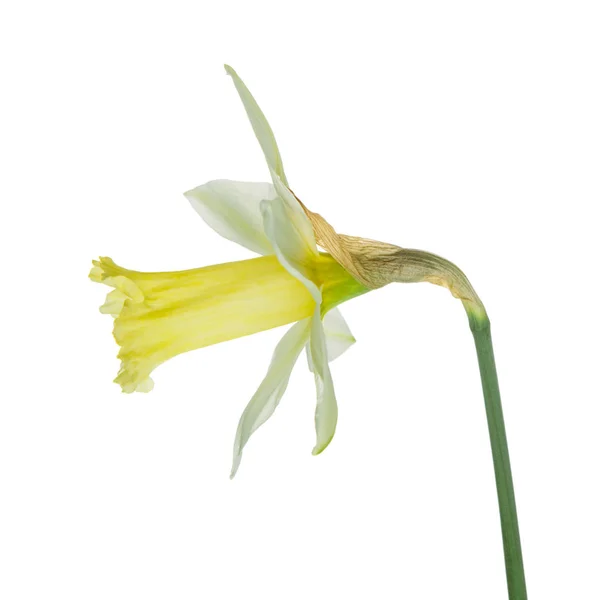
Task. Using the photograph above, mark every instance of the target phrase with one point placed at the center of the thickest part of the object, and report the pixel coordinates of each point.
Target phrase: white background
(469, 129)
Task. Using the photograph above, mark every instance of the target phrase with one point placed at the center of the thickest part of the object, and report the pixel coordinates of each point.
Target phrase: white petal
(294, 211)
(267, 397)
(232, 209)
(338, 336)
(327, 412)
(261, 127)
(295, 252)
(265, 137)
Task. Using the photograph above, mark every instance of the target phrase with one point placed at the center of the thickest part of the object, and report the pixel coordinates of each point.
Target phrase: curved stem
(406, 265)
(417, 265)
(513, 558)
(384, 263)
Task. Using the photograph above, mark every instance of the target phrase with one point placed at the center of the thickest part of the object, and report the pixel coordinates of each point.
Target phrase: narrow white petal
(338, 337)
(294, 211)
(295, 252)
(337, 334)
(327, 412)
(261, 127)
(267, 397)
(232, 209)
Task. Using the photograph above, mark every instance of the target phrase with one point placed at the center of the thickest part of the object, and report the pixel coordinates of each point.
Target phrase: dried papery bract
(376, 264)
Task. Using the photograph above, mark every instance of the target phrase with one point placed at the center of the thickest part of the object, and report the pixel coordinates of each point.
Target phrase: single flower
(160, 315)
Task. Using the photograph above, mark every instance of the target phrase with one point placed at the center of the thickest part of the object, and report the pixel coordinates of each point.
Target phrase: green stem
(513, 558)
(377, 264)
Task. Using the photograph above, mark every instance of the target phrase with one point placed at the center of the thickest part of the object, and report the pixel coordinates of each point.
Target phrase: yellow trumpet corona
(160, 315)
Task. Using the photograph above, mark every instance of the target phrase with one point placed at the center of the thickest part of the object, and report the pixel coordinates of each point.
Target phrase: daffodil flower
(160, 315)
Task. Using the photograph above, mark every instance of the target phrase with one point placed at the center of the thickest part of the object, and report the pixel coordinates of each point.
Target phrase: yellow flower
(160, 315)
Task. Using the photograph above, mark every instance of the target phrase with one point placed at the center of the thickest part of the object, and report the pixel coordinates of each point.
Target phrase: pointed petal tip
(229, 70)
(318, 449)
(235, 466)
(194, 193)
